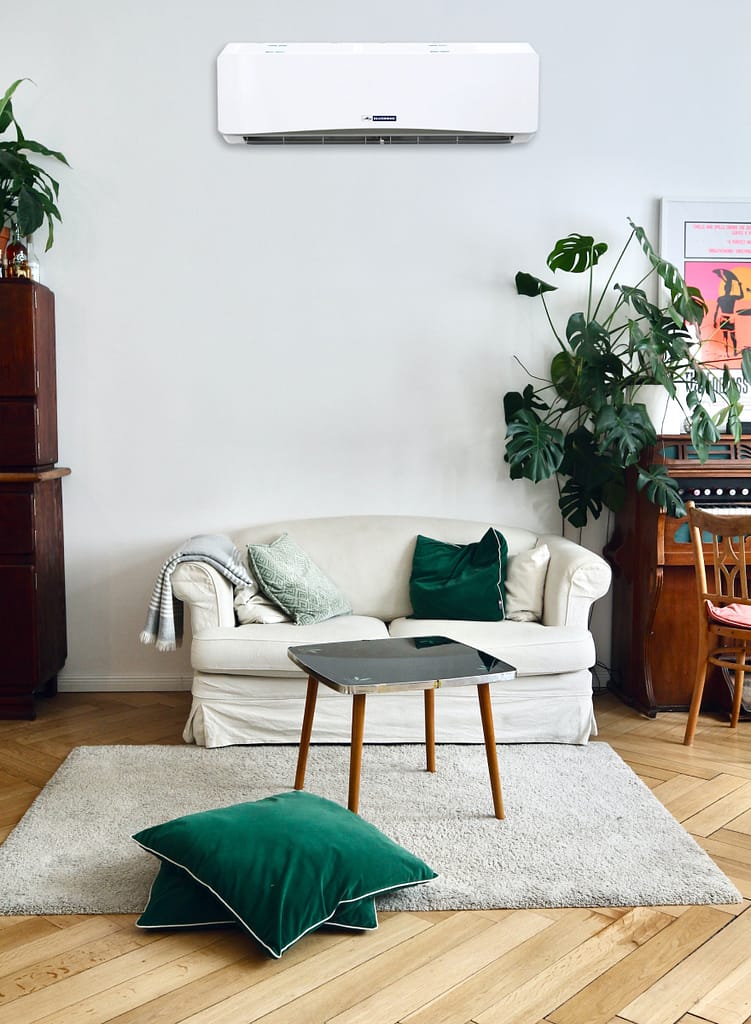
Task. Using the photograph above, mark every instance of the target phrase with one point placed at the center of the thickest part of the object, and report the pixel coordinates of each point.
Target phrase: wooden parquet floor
(655, 965)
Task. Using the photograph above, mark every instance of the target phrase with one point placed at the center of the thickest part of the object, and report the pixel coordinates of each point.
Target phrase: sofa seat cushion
(261, 649)
(531, 648)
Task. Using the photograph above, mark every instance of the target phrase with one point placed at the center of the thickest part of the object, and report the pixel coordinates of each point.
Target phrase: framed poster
(709, 241)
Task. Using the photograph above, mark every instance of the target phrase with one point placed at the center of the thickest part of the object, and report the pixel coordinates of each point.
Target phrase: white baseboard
(97, 684)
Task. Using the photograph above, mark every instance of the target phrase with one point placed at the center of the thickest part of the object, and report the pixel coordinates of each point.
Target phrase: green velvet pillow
(177, 900)
(289, 578)
(459, 581)
(283, 865)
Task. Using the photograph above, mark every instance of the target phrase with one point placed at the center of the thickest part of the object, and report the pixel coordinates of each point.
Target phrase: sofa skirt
(229, 710)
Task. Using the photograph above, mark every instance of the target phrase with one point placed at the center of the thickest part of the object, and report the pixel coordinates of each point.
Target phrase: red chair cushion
(738, 615)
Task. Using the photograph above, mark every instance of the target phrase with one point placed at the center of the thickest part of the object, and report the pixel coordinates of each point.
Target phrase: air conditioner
(381, 93)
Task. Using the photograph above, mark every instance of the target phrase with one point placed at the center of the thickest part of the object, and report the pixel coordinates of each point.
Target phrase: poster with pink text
(709, 241)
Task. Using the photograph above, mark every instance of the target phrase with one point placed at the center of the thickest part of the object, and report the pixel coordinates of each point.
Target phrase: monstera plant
(587, 424)
(28, 192)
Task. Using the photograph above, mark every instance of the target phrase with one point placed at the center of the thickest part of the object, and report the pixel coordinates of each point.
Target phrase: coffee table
(391, 665)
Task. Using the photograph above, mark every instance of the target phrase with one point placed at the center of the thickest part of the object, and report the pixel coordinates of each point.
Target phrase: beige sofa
(246, 689)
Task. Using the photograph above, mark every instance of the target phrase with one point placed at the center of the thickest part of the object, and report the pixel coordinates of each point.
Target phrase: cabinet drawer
(18, 434)
(19, 671)
(16, 523)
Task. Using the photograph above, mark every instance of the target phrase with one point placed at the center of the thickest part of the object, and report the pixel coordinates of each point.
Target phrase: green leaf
(37, 147)
(637, 298)
(534, 449)
(526, 284)
(661, 489)
(625, 432)
(578, 501)
(6, 110)
(513, 402)
(576, 253)
(688, 302)
(30, 211)
(594, 480)
(746, 364)
(704, 432)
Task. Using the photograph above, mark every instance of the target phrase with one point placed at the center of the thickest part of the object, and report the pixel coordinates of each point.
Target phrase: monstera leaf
(661, 489)
(526, 284)
(576, 253)
(625, 431)
(534, 449)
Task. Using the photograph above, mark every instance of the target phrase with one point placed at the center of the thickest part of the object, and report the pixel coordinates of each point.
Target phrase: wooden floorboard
(655, 965)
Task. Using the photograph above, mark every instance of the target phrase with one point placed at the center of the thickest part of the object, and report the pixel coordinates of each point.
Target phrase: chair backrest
(728, 534)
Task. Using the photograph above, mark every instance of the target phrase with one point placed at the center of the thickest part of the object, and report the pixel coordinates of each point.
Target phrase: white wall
(246, 334)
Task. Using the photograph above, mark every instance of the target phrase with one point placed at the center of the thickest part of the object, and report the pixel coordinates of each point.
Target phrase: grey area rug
(580, 829)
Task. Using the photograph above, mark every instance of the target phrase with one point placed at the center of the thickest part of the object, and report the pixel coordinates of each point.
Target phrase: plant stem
(612, 275)
(550, 321)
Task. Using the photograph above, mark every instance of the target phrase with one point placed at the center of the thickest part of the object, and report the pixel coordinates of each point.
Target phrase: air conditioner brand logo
(378, 117)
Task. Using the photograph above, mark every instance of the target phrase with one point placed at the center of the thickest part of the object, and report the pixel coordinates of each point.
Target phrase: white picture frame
(709, 241)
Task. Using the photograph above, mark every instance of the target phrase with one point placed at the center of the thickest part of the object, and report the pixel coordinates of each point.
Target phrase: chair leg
(740, 672)
(693, 711)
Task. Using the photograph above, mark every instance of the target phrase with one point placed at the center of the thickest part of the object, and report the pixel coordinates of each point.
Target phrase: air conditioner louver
(374, 140)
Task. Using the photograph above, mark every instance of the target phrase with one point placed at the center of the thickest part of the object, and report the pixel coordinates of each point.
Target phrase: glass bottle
(32, 260)
(16, 255)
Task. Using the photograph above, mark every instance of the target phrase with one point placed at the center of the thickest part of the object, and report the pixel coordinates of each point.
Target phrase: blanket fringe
(147, 638)
(166, 645)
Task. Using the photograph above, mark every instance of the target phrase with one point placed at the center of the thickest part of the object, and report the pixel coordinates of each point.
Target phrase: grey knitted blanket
(164, 619)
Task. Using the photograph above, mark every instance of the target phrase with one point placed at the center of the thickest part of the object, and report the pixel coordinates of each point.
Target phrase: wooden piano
(654, 597)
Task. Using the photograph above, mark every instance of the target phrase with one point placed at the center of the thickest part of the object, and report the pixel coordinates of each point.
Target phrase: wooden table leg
(307, 729)
(355, 751)
(488, 729)
(430, 729)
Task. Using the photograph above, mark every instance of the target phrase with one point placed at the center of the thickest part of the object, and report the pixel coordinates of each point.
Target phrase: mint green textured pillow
(289, 577)
(177, 900)
(285, 864)
(459, 581)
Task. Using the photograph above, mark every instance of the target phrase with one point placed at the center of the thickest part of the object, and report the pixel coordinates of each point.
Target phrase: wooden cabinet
(655, 626)
(33, 643)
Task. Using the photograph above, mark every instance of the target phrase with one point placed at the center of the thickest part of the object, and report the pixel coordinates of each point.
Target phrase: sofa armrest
(576, 578)
(206, 592)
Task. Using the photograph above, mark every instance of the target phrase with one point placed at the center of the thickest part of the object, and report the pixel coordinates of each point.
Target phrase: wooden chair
(724, 602)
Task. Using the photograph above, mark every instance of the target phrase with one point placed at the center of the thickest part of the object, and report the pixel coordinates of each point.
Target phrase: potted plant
(587, 424)
(28, 193)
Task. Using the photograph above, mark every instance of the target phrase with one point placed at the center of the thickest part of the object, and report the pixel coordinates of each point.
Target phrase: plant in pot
(28, 193)
(587, 424)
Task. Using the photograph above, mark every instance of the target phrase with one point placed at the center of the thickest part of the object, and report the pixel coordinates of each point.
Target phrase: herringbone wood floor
(639, 965)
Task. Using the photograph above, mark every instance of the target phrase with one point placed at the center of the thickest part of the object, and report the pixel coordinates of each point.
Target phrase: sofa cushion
(525, 584)
(459, 581)
(262, 649)
(291, 579)
(531, 648)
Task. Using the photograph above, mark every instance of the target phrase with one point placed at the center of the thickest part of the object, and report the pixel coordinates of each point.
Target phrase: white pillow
(252, 606)
(525, 584)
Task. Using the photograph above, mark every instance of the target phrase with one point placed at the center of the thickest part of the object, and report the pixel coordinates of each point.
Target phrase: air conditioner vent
(376, 140)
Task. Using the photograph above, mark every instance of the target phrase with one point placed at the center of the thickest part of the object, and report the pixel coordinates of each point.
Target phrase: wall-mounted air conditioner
(281, 93)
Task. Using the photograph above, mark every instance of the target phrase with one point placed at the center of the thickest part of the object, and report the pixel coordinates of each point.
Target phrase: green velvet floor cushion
(459, 581)
(283, 865)
(177, 900)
